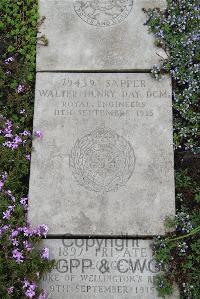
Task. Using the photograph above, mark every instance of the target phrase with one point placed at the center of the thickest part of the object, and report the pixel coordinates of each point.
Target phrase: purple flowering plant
(177, 31)
(22, 262)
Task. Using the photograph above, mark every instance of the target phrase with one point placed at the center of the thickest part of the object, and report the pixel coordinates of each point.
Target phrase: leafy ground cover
(21, 264)
(177, 30)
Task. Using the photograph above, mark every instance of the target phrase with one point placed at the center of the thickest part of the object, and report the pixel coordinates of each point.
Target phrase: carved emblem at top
(103, 13)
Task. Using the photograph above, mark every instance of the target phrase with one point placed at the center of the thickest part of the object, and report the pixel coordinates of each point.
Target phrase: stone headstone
(105, 163)
(101, 269)
(97, 35)
(104, 166)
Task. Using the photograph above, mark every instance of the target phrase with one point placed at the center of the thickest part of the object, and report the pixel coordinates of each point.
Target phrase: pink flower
(18, 256)
(30, 293)
(3, 229)
(27, 231)
(8, 144)
(32, 286)
(42, 230)
(28, 157)
(27, 245)
(38, 134)
(17, 139)
(43, 295)
(24, 202)
(4, 176)
(9, 193)
(1, 185)
(25, 133)
(26, 283)
(45, 253)
(14, 143)
(3, 179)
(9, 135)
(8, 60)
(7, 213)
(15, 242)
(20, 88)
(14, 233)
(10, 290)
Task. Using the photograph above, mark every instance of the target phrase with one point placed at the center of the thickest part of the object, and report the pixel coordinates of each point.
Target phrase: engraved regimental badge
(102, 160)
(103, 13)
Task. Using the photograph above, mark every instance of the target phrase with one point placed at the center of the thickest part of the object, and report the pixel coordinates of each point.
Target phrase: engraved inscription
(103, 13)
(102, 160)
(89, 97)
(102, 268)
(97, 183)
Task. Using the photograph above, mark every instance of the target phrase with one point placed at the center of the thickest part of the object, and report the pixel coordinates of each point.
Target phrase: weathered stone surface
(97, 35)
(101, 269)
(105, 163)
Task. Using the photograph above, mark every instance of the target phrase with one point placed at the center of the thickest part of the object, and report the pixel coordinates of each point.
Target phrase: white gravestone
(105, 163)
(102, 269)
(97, 35)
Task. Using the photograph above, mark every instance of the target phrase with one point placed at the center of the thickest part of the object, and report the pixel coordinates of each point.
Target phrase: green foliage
(21, 263)
(164, 288)
(177, 31)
